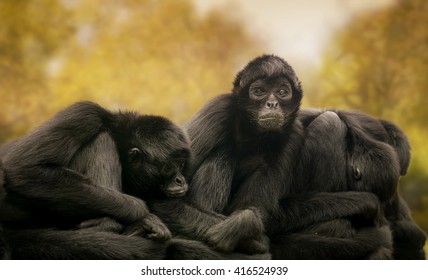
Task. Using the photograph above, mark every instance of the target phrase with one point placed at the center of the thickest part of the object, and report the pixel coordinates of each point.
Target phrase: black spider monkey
(47, 184)
(351, 151)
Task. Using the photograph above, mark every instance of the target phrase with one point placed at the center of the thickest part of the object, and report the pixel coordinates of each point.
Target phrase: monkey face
(174, 184)
(268, 93)
(269, 97)
(158, 175)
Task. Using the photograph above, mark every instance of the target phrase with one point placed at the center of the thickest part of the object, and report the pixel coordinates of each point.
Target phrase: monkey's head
(155, 158)
(350, 151)
(268, 93)
(378, 154)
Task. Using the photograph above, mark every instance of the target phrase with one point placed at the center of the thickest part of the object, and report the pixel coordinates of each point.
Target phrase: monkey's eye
(283, 92)
(168, 169)
(134, 153)
(357, 174)
(257, 91)
(181, 166)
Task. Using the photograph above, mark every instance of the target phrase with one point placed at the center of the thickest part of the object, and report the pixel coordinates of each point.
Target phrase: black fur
(80, 245)
(240, 165)
(242, 162)
(226, 205)
(187, 221)
(4, 250)
(164, 148)
(348, 151)
(250, 150)
(143, 156)
(48, 183)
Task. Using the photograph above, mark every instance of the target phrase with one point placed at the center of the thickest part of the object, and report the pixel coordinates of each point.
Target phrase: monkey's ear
(134, 154)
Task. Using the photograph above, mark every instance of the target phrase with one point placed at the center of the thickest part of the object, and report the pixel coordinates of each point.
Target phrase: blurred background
(169, 57)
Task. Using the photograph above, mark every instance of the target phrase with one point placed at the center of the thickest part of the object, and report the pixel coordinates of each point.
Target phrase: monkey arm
(67, 193)
(303, 210)
(37, 169)
(183, 219)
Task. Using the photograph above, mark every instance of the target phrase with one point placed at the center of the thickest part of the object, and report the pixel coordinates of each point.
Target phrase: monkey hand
(378, 242)
(256, 245)
(150, 227)
(371, 211)
(104, 224)
(239, 226)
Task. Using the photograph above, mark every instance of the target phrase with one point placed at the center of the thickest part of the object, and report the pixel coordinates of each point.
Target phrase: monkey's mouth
(177, 191)
(271, 116)
(265, 119)
(177, 194)
(271, 121)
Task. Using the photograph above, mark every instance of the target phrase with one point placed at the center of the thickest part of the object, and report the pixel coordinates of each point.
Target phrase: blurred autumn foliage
(378, 64)
(162, 57)
(156, 57)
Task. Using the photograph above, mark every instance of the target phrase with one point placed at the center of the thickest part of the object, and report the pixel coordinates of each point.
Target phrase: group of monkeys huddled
(250, 176)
